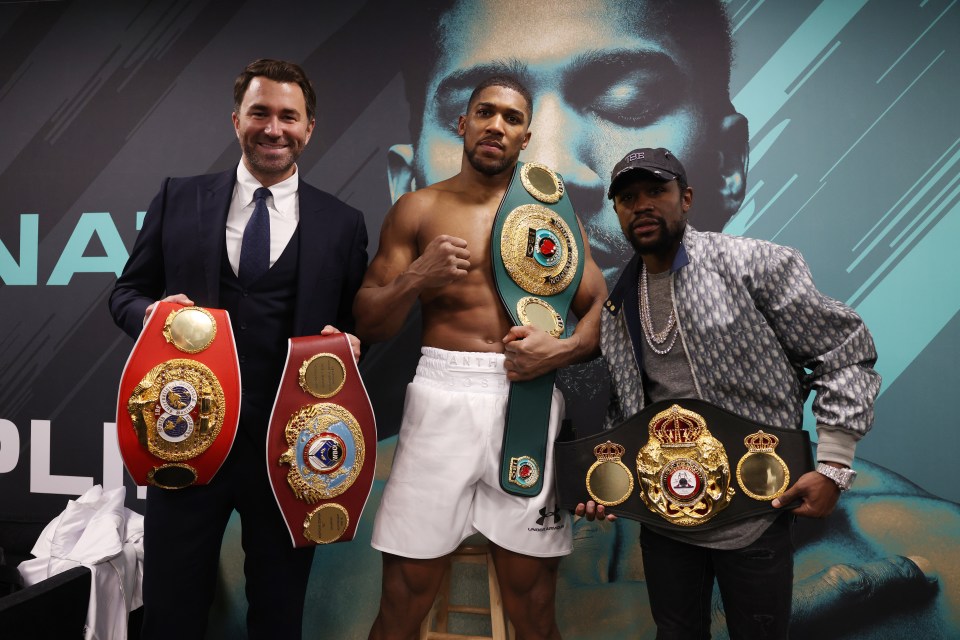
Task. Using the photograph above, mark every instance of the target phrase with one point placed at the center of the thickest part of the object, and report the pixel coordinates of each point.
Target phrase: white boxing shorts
(445, 481)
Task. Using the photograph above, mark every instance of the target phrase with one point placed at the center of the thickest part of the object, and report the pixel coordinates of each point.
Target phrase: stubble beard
(492, 167)
(267, 166)
(665, 241)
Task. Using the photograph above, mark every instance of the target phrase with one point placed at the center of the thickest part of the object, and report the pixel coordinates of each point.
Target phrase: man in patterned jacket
(736, 322)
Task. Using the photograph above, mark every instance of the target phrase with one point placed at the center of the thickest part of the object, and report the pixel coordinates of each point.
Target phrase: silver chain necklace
(655, 339)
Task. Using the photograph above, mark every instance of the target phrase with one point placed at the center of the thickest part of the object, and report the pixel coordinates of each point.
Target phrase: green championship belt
(537, 265)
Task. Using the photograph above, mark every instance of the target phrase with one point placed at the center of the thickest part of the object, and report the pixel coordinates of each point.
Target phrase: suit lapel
(213, 204)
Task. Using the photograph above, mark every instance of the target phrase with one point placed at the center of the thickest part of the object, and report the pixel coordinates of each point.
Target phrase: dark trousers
(756, 585)
(183, 530)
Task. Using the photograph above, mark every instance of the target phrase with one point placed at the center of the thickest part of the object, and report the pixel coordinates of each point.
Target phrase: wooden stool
(501, 629)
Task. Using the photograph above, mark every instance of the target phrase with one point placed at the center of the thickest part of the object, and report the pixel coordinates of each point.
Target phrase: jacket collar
(625, 291)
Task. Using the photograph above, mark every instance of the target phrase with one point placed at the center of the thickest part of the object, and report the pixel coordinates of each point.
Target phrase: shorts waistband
(476, 372)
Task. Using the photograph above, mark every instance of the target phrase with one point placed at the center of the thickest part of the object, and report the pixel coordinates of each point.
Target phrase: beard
(270, 165)
(490, 167)
(668, 238)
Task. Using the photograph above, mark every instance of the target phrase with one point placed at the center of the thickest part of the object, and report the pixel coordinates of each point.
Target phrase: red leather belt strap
(322, 441)
(179, 400)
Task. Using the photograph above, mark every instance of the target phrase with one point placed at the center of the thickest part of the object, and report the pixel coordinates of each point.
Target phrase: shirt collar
(283, 192)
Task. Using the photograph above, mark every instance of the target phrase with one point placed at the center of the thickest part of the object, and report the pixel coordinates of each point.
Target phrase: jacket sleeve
(355, 270)
(142, 280)
(829, 346)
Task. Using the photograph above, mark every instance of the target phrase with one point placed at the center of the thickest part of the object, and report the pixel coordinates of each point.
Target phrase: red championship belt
(322, 441)
(179, 400)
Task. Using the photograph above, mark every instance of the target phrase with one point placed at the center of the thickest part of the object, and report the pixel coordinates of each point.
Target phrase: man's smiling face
(273, 128)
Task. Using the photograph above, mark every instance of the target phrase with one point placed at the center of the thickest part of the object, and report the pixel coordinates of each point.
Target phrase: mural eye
(630, 90)
(634, 99)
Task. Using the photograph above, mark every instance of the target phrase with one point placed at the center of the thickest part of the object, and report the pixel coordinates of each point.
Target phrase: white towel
(98, 532)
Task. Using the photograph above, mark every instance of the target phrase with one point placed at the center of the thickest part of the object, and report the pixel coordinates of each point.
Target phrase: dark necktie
(255, 247)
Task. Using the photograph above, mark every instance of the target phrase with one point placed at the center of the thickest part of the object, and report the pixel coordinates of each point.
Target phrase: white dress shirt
(283, 205)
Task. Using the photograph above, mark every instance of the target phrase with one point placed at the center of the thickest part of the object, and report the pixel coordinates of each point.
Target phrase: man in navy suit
(188, 252)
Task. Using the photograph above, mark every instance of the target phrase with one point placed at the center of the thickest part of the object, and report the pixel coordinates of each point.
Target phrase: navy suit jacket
(181, 245)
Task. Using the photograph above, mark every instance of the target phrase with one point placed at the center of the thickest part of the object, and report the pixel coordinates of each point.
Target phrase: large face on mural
(605, 79)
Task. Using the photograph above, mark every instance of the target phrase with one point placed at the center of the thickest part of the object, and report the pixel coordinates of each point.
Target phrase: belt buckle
(684, 471)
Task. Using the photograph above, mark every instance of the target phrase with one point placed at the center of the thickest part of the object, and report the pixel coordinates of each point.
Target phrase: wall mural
(827, 125)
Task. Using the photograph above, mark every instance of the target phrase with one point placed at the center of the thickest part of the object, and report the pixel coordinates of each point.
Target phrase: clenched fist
(444, 260)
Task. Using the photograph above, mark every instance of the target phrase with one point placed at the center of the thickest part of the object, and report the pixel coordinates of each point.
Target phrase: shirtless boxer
(444, 486)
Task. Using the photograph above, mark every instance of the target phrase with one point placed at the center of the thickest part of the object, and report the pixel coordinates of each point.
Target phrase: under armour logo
(544, 514)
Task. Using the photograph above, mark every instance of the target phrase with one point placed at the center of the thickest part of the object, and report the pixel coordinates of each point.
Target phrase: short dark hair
(278, 71)
(508, 82)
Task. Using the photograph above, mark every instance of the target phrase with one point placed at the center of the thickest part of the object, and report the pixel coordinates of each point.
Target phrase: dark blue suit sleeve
(142, 280)
(355, 270)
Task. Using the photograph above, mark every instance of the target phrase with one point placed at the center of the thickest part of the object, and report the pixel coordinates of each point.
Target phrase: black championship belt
(537, 255)
(683, 464)
(179, 400)
(322, 441)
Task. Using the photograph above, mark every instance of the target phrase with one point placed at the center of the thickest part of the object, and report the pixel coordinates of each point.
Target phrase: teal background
(854, 153)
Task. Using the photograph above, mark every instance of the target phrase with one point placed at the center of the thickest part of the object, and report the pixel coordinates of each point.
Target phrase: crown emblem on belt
(761, 442)
(677, 427)
(608, 451)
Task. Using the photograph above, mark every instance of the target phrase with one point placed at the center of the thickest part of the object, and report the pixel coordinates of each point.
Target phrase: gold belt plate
(190, 329)
(609, 481)
(761, 473)
(322, 375)
(539, 250)
(177, 409)
(684, 471)
(326, 451)
(326, 523)
(542, 182)
(534, 312)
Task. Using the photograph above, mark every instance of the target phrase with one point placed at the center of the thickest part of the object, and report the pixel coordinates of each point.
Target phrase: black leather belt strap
(575, 459)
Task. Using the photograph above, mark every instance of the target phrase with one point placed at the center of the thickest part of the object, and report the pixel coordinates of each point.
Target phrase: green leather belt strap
(537, 252)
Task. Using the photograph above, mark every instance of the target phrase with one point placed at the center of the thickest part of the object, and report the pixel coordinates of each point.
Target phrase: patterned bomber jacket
(759, 337)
